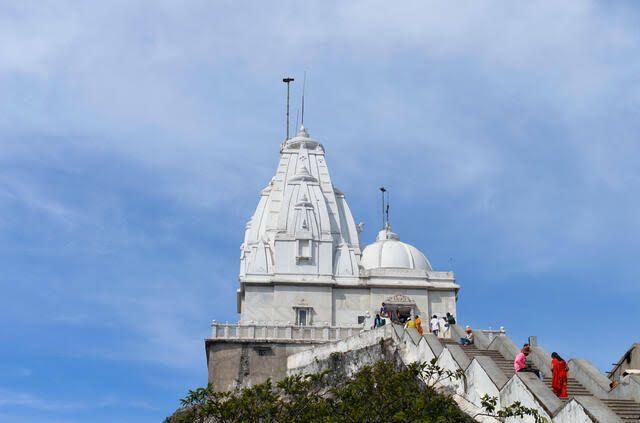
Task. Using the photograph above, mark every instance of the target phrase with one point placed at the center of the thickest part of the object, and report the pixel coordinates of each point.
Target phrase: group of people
(559, 370)
(439, 327)
(436, 326)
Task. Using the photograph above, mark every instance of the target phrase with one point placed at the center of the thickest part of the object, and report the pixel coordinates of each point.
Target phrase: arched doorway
(398, 308)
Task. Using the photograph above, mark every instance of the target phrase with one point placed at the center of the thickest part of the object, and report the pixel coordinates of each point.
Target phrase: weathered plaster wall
(483, 377)
(348, 304)
(234, 364)
(425, 353)
(629, 388)
(258, 303)
(572, 413)
(590, 377)
(285, 297)
(441, 302)
(408, 346)
(446, 361)
(541, 359)
(480, 340)
(583, 409)
(631, 360)
(349, 362)
(304, 361)
(505, 346)
(516, 390)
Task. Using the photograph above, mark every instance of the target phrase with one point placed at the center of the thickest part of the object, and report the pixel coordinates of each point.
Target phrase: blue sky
(136, 136)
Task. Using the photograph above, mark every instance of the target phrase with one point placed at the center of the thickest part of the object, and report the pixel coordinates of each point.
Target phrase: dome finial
(302, 132)
(385, 208)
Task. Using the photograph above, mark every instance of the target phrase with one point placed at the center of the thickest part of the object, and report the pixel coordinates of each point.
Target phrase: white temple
(308, 292)
(301, 261)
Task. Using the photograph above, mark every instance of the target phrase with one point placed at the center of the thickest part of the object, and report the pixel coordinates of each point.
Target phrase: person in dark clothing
(377, 322)
(450, 319)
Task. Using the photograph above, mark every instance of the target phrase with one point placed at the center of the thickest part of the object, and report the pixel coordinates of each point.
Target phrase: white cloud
(524, 112)
(10, 398)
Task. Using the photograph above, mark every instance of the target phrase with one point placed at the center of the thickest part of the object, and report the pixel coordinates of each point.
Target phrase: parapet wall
(306, 361)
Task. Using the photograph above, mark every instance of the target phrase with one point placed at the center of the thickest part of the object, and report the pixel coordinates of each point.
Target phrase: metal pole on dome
(304, 85)
(387, 209)
(382, 191)
(288, 81)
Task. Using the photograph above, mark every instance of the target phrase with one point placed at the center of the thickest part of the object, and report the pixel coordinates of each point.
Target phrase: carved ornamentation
(400, 299)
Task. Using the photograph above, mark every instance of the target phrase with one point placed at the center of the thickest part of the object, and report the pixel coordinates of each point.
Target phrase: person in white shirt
(434, 325)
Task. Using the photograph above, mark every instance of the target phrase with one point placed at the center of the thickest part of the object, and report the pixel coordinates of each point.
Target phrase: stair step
(627, 410)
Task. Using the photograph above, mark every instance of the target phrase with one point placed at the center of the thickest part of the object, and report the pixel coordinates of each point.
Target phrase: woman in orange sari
(419, 325)
(559, 370)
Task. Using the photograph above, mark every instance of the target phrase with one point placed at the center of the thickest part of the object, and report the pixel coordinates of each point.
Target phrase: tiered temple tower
(308, 294)
(304, 278)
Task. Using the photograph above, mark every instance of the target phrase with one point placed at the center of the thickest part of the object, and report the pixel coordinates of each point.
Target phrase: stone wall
(239, 363)
(630, 360)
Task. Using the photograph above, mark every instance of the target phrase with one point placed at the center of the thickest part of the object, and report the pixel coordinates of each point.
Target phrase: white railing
(284, 332)
(492, 333)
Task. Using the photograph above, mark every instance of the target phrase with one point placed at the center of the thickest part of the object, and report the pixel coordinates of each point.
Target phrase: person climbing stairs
(627, 410)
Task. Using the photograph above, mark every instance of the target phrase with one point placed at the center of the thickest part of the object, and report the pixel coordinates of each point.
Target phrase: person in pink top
(520, 363)
(521, 360)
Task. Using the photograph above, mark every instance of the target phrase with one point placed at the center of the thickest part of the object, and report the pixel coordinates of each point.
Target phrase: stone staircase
(627, 410)
(472, 351)
(574, 388)
(368, 347)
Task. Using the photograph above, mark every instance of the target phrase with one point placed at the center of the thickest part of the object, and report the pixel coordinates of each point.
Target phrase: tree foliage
(489, 405)
(382, 392)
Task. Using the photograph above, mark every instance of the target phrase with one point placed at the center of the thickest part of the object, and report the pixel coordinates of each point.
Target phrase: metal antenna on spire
(288, 81)
(297, 116)
(387, 209)
(304, 85)
(384, 223)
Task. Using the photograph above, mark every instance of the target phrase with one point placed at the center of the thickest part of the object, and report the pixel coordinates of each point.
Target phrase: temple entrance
(398, 308)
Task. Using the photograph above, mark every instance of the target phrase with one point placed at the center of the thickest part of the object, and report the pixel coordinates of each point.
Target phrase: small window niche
(264, 351)
(304, 249)
(303, 316)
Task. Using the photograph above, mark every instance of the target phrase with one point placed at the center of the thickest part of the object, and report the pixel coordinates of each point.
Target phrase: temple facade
(305, 278)
(301, 260)
(309, 291)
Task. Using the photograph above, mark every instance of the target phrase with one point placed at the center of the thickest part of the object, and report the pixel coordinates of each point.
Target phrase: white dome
(389, 252)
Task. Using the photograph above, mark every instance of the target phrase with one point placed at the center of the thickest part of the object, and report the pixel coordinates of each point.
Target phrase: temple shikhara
(310, 290)
(302, 263)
